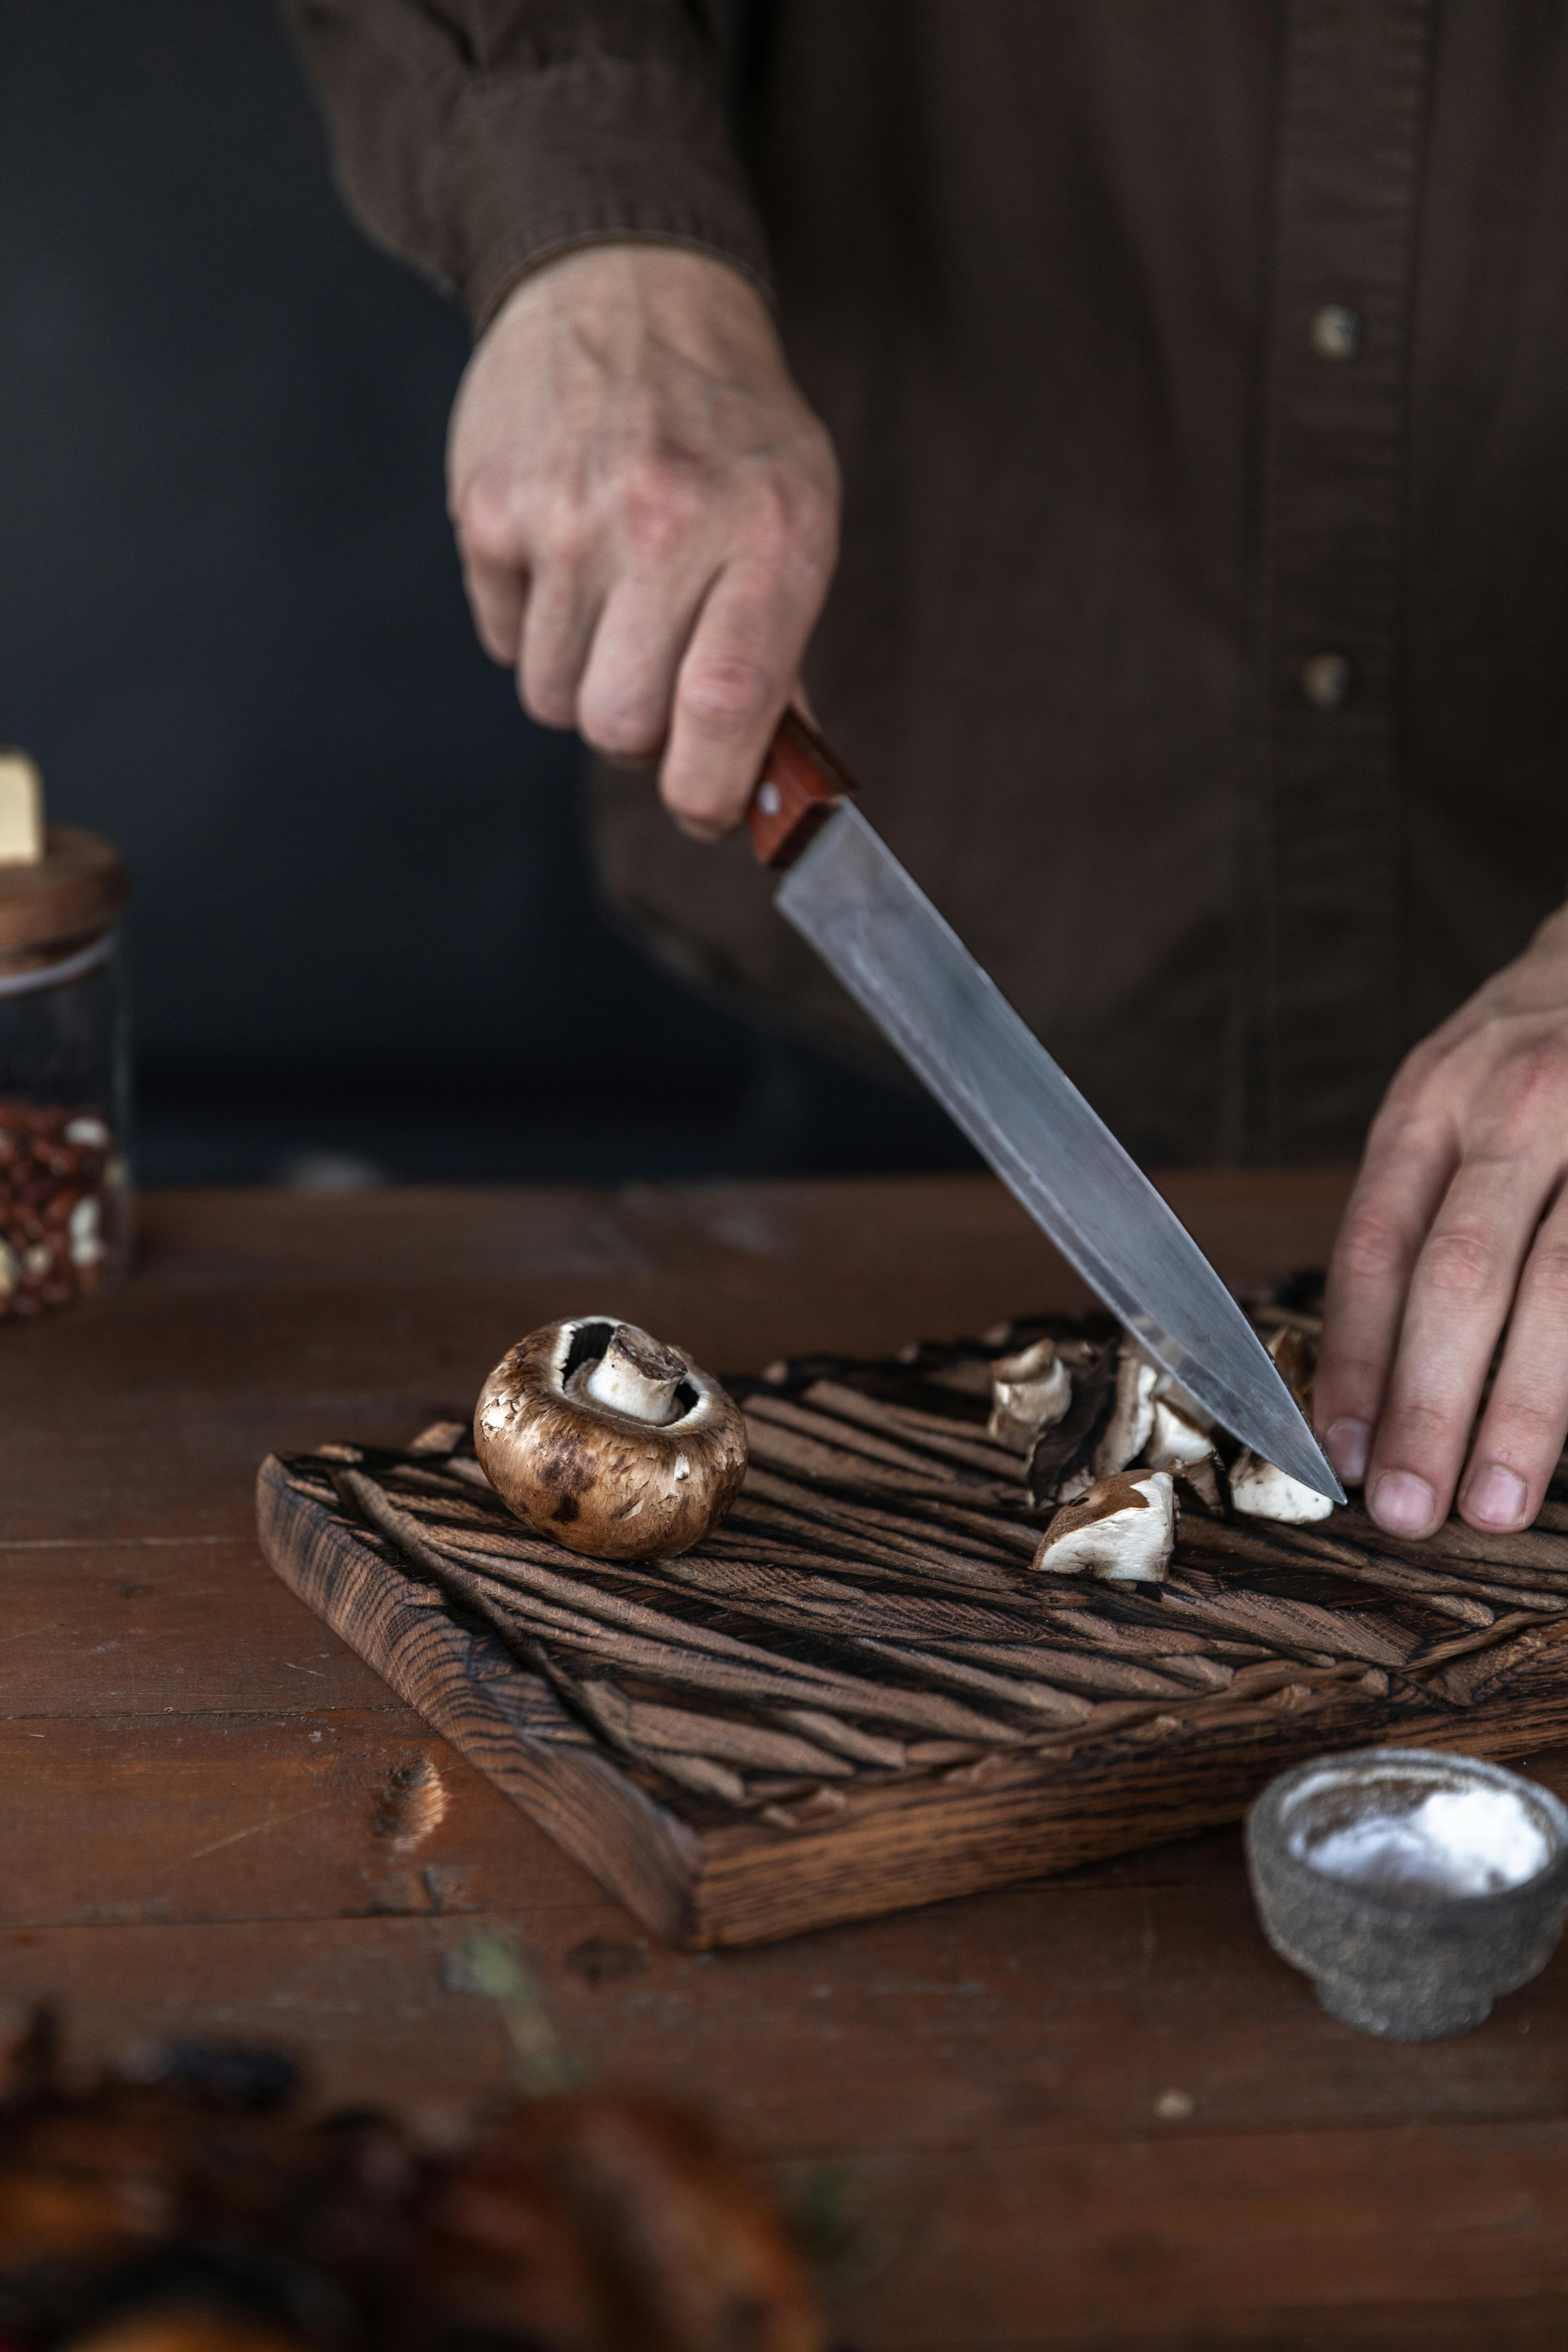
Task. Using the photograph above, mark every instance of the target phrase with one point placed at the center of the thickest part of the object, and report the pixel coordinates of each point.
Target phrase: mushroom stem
(635, 1375)
(1029, 1392)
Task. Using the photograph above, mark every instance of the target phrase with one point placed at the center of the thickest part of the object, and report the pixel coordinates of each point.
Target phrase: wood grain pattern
(815, 1716)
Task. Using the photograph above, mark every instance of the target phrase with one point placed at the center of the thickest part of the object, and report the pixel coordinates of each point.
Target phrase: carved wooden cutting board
(857, 1695)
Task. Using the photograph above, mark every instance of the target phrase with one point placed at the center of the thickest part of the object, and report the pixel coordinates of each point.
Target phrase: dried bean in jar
(62, 1205)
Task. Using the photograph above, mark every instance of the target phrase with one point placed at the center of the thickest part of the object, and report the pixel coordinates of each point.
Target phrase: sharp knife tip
(1322, 1481)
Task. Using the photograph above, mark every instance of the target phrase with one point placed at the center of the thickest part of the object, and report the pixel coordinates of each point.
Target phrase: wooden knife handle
(801, 785)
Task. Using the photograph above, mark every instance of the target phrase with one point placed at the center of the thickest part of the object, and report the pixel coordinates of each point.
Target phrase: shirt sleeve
(477, 138)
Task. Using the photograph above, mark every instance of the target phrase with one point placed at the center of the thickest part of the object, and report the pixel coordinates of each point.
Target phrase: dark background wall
(232, 633)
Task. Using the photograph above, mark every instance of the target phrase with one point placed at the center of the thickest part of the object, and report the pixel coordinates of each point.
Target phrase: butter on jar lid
(56, 883)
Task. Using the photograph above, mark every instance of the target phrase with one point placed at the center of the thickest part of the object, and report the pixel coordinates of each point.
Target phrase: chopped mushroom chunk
(1179, 1445)
(1060, 1461)
(1258, 1488)
(1265, 1493)
(1296, 1361)
(1131, 1422)
(1174, 1442)
(1029, 1392)
(1123, 1531)
(1207, 1484)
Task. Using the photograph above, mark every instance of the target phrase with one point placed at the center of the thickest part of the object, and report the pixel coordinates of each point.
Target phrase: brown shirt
(1199, 372)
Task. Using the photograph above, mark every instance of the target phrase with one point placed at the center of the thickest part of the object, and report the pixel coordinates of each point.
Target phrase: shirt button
(1336, 332)
(1328, 680)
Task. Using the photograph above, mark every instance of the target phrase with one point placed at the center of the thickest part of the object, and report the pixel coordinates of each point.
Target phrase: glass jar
(64, 1075)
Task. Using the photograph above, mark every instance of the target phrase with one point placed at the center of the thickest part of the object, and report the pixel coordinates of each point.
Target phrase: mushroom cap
(1123, 1531)
(1190, 1454)
(591, 1477)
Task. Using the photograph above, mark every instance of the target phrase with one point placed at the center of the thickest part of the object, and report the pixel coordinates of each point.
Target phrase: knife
(850, 899)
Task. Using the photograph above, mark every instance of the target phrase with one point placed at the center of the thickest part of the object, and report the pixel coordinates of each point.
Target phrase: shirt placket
(1324, 1014)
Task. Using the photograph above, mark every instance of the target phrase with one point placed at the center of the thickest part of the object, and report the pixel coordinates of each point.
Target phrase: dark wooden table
(1093, 2111)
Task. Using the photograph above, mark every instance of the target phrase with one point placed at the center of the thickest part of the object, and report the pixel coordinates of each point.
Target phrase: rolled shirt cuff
(528, 165)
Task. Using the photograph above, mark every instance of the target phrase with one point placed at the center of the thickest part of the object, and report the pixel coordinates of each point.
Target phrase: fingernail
(1497, 1495)
(1402, 1503)
(1347, 1443)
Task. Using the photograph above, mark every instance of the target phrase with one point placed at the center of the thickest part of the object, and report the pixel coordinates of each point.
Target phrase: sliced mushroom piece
(1059, 1465)
(1029, 1392)
(1131, 1422)
(1123, 1531)
(1206, 1484)
(1187, 1452)
(1258, 1488)
(609, 1442)
(1174, 1442)
(1295, 1355)
(1263, 1492)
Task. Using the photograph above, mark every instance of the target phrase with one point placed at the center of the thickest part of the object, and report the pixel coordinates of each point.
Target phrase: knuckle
(547, 697)
(566, 535)
(1421, 1101)
(1348, 1374)
(549, 711)
(1526, 1424)
(1533, 1089)
(704, 808)
(625, 724)
(789, 528)
(1420, 1428)
(1546, 1275)
(661, 505)
(1460, 1263)
(1371, 1247)
(488, 517)
(774, 523)
(724, 693)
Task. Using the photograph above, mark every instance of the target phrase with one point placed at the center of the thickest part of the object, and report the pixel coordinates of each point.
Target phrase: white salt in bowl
(1413, 1886)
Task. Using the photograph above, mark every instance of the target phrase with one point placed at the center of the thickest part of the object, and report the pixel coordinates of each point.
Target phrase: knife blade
(847, 894)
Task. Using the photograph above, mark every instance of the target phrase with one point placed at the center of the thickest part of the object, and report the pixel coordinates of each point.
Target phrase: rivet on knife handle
(801, 785)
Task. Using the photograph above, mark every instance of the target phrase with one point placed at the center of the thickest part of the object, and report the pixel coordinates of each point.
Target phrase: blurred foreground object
(189, 2210)
(64, 1055)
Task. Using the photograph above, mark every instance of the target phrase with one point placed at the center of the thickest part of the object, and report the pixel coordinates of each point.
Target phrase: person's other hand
(1457, 1227)
(647, 512)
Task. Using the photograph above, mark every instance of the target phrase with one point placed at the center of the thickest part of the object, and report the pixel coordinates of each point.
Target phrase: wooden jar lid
(77, 888)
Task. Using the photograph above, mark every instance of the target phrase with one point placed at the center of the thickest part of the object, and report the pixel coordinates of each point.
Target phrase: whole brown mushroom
(608, 1440)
